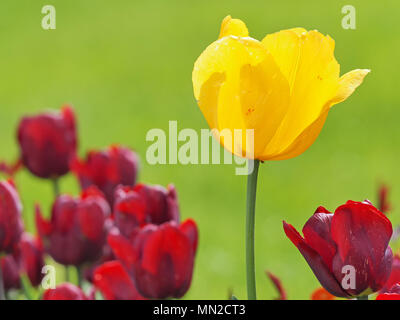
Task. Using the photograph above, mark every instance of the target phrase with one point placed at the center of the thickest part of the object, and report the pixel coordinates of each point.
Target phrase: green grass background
(126, 68)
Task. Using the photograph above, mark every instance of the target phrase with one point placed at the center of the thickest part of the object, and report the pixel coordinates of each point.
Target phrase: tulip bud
(48, 142)
(353, 242)
(10, 217)
(160, 258)
(142, 204)
(65, 291)
(107, 169)
(76, 232)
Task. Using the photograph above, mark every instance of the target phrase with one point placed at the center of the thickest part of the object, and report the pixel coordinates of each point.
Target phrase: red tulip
(48, 142)
(10, 217)
(115, 283)
(140, 205)
(356, 235)
(31, 256)
(65, 291)
(10, 272)
(107, 169)
(77, 230)
(392, 294)
(160, 258)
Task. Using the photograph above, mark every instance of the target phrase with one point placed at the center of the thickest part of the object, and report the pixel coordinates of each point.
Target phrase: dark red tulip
(356, 235)
(142, 204)
(107, 169)
(48, 142)
(160, 258)
(10, 271)
(65, 291)
(10, 217)
(76, 232)
(115, 283)
(32, 259)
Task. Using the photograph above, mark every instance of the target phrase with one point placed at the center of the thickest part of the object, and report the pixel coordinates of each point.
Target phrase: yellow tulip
(281, 87)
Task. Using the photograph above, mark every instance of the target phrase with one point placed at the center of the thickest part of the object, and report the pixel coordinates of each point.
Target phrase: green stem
(250, 224)
(56, 187)
(67, 277)
(2, 291)
(26, 287)
(362, 298)
(79, 275)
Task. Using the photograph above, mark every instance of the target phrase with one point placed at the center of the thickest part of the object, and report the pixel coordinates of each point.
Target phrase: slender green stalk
(26, 288)
(2, 291)
(67, 277)
(250, 224)
(362, 298)
(79, 276)
(56, 187)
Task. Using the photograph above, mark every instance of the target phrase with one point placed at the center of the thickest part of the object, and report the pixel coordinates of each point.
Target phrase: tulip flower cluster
(124, 238)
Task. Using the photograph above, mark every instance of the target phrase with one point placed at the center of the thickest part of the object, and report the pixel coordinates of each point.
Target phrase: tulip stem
(362, 298)
(250, 225)
(2, 291)
(56, 187)
(79, 275)
(67, 277)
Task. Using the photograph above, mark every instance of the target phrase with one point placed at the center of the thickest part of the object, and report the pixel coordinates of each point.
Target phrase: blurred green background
(126, 68)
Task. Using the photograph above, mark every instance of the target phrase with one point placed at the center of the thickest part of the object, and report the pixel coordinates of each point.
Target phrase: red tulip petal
(122, 249)
(43, 226)
(362, 234)
(189, 228)
(317, 234)
(92, 213)
(394, 274)
(65, 291)
(278, 286)
(314, 260)
(115, 283)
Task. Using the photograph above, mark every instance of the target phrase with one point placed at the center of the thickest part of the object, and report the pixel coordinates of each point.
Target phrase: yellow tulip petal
(308, 62)
(208, 99)
(302, 142)
(348, 83)
(285, 47)
(239, 86)
(264, 98)
(233, 27)
(226, 55)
